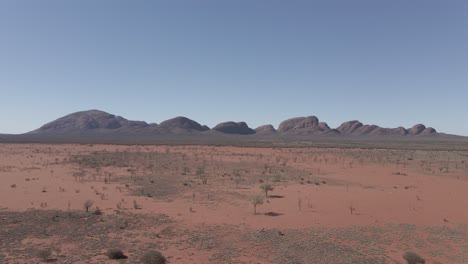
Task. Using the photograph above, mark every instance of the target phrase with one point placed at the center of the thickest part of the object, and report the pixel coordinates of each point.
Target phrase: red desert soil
(192, 204)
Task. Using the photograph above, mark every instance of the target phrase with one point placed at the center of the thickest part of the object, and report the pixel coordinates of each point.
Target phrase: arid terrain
(195, 204)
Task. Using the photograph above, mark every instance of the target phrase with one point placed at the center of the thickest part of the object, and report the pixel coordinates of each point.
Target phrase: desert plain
(71, 203)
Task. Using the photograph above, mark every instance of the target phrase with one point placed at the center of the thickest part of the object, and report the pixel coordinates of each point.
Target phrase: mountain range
(96, 121)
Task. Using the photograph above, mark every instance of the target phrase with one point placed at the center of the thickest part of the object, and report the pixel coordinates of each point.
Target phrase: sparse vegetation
(136, 205)
(87, 205)
(44, 254)
(153, 257)
(115, 253)
(97, 211)
(413, 258)
(256, 200)
(266, 187)
(237, 181)
(150, 175)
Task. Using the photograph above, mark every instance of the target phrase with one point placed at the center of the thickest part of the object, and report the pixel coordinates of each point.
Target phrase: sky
(388, 63)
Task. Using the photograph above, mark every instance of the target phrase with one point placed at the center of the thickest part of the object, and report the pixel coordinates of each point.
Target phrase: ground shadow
(272, 214)
(275, 196)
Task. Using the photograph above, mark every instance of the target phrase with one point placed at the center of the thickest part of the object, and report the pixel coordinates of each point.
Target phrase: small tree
(87, 204)
(153, 257)
(256, 200)
(266, 187)
(413, 258)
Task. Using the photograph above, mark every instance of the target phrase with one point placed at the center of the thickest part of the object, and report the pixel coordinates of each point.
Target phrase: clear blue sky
(388, 63)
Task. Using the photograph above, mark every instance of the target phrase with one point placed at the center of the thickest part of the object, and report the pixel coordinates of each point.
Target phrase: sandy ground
(206, 187)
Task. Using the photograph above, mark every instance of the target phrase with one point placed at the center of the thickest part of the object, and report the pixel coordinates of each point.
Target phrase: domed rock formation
(95, 122)
(356, 128)
(323, 126)
(417, 129)
(181, 123)
(298, 123)
(330, 132)
(239, 128)
(401, 131)
(87, 121)
(379, 131)
(265, 130)
(428, 131)
(348, 128)
(366, 130)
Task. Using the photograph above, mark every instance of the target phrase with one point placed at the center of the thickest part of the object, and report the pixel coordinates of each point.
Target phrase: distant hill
(265, 130)
(239, 128)
(97, 122)
(86, 121)
(180, 124)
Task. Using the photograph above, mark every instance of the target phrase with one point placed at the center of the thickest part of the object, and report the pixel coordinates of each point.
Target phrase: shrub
(266, 187)
(87, 204)
(153, 257)
(237, 180)
(256, 200)
(413, 258)
(116, 253)
(277, 178)
(97, 211)
(44, 254)
(136, 205)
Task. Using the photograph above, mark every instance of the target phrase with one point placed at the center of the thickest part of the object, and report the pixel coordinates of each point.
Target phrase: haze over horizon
(386, 63)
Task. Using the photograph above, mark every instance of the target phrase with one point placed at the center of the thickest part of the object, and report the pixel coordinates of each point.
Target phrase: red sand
(377, 195)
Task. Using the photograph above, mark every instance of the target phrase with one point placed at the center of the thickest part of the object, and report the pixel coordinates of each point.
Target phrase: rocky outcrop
(239, 128)
(265, 130)
(298, 123)
(89, 121)
(95, 121)
(348, 128)
(181, 123)
(304, 126)
(417, 129)
(356, 128)
(323, 126)
(428, 131)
